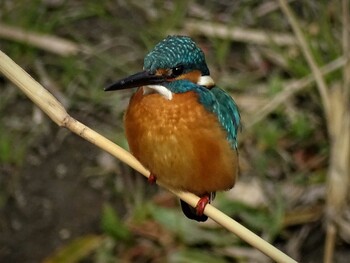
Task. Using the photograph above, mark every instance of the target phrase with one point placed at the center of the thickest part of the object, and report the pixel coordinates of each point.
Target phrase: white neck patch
(206, 81)
(160, 89)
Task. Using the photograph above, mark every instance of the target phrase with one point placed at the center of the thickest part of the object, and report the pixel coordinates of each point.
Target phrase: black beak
(137, 80)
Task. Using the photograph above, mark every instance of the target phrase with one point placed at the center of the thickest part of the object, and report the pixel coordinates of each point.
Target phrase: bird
(180, 125)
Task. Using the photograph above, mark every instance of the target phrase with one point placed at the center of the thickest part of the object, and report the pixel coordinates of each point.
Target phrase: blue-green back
(217, 101)
(228, 114)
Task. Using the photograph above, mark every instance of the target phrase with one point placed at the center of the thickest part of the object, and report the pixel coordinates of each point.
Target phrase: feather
(216, 101)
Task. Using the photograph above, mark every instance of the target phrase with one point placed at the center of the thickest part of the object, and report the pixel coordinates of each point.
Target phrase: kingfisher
(180, 125)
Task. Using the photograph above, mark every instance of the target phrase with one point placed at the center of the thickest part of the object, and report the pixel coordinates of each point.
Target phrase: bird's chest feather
(180, 142)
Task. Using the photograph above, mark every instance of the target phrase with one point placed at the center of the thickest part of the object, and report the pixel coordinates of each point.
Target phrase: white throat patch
(160, 89)
(206, 81)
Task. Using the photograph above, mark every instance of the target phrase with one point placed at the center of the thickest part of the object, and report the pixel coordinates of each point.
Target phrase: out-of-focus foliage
(67, 202)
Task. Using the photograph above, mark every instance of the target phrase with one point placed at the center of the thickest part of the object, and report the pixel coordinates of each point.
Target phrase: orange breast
(180, 142)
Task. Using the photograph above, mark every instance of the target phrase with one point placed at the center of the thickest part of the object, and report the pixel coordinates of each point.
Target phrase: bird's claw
(152, 179)
(202, 203)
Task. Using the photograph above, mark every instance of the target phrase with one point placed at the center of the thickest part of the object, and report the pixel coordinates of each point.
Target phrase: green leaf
(113, 225)
(270, 134)
(302, 127)
(257, 219)
(76, 250)
(275, 85)
(194, 256)
(189, 231)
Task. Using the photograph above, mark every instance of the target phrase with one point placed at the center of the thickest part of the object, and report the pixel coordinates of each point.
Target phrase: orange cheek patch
(162, 72)
(192, 76)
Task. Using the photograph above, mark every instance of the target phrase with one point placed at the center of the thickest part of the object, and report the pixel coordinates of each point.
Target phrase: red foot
(202, 203)
(152, 179)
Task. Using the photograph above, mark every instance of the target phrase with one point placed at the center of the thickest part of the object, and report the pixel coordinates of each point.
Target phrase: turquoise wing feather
(223, 106)
(216, 101)
(228, 114)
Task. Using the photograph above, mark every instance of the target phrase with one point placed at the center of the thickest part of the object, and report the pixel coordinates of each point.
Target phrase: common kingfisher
(180, 125)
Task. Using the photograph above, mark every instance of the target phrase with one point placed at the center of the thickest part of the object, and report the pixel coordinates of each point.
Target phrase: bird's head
(174, 59)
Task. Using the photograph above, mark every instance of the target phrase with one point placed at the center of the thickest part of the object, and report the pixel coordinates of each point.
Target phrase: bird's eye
(177, 71)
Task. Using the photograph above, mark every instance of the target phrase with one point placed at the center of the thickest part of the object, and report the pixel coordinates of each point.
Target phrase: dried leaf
(76, 250)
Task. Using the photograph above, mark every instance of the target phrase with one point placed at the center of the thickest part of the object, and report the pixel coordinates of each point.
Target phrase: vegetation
(62, 200)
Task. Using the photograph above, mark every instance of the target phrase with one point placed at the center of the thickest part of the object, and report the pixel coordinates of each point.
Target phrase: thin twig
(50, 85)
(321, 84)
(346, 47)
(54, 109)
(266, 8)
(329, 244)
(260, 37)
(339, 168)
(49, 43)
(338, 125)
(292, 88)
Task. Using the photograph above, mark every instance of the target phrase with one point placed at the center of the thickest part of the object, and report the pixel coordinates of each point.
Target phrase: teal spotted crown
(176, 51)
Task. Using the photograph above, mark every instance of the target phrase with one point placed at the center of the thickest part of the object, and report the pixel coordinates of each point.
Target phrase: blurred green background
(64, 200)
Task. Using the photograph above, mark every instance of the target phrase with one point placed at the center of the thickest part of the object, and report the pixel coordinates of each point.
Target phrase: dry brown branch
(240, 252)
(321, 84)
(346, 47)
(346, 86)
(49, 43)
(291, 89)
(274, 57)
(50, 85)
(54, 109)
(303, 216)
(267, 7)
(339, 169)
(338, 174)
(330, 243)
(260, 37)
(337, 115)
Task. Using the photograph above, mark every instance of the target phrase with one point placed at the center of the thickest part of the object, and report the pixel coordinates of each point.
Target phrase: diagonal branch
(291, 89)
(49, 43)
(321, 84)
(346, 47)
(54, 109)
(255, 36)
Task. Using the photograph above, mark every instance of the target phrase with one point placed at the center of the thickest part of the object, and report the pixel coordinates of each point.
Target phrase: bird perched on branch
(180, 125)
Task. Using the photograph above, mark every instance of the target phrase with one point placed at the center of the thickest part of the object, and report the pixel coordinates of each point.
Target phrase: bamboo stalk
(54, 109)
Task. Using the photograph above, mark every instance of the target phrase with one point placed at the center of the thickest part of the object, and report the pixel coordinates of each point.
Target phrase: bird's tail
(191, 212)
